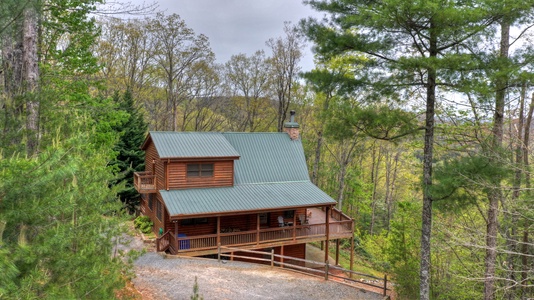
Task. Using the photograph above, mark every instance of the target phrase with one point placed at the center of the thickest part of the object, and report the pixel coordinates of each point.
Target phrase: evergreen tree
(130, 158)
(410, 47)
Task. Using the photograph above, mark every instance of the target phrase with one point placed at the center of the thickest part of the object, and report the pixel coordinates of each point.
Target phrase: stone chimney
(292, 127)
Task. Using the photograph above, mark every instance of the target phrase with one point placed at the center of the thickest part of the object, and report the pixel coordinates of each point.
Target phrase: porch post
(219, 230)
(257, 229)
(294, 225)
(175, 238)
(327, 233)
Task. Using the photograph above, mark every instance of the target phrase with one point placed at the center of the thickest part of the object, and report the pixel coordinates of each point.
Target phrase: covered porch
(319, 224)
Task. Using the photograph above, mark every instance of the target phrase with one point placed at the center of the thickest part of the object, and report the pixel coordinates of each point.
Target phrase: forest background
(416, 119)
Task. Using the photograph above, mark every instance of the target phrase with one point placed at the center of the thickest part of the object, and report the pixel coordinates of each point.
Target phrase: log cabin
(244, 190)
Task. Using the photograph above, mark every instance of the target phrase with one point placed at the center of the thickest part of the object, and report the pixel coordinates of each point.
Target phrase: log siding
(223, 175)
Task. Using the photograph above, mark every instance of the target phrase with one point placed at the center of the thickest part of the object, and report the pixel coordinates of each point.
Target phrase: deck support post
(351, 255)
(282, 256)
(272, 257)
(326, 270)
(337, 252)
(327, 233)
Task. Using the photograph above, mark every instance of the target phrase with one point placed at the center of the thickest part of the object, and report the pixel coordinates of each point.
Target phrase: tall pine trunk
(495, 194)
(426, 226)
(30, 65)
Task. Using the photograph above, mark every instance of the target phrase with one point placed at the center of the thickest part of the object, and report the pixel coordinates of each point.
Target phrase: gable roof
(271, 173)
(268, 157)
(190, 144)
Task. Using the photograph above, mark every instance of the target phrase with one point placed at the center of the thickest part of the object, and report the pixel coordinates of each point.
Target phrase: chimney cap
(291, 123)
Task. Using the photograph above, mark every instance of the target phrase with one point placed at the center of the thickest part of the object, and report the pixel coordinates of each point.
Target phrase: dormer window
(199, 170)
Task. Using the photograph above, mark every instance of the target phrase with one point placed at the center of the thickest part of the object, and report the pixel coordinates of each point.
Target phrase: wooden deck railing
(339, 215)
(362, 281)
(176, 245)
(145, 182)
(164, 241)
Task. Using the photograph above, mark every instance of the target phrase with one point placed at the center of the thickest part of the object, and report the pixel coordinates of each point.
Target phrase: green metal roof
(271, 173)
(268, 157)
(246, 197)
(191, 144)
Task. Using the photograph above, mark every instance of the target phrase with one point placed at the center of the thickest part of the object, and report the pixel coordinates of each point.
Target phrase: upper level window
(199, 170)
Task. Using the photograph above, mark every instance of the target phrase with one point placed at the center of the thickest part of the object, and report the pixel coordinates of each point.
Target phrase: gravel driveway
(161, 278)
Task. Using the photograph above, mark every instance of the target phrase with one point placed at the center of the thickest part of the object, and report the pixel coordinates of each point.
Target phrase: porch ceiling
(244, 197)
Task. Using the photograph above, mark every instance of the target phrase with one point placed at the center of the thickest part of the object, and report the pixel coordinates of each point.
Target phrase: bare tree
(248, 77)
(177, 48)
(286, 54)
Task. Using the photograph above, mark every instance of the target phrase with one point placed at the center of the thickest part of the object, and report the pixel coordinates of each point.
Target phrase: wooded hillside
(416, 119)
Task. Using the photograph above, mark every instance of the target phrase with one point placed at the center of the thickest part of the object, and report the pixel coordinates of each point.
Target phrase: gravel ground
(166, 278)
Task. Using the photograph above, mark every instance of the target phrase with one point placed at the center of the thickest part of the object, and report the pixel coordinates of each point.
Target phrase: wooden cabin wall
(295, 250)
(241, 222)
(223, 175)
(198, 229)
(157, 222)
(151, 154)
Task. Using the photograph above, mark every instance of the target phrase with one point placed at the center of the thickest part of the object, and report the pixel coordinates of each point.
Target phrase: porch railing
(181, 244)
(163, 242)
(145, 182)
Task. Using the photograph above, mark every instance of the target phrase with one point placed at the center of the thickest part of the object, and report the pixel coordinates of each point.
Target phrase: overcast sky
(239, 26)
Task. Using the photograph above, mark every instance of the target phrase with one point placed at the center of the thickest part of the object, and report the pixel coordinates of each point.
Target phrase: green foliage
(403, 250)
(130, 158)
(61, 218)
(458, 180)
(195, 295)
(397, 252)
(144, 224)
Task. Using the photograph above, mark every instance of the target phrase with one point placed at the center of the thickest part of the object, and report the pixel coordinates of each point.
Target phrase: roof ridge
(273, 182)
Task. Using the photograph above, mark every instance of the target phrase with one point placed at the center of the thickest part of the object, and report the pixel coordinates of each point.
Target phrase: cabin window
(194, 221)
(289, 214)
(200, 170)
(159, 211)
(264, 218)
(187, 222)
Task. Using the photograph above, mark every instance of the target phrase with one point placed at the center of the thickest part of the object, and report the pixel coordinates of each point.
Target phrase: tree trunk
(391, 180)
(31, 78)
(525, 289)
(495, 195)
(374, 179)
(426, 218)
(12, 75)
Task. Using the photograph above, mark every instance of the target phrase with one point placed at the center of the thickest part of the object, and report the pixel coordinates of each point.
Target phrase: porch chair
(280, 221)
(303, 220)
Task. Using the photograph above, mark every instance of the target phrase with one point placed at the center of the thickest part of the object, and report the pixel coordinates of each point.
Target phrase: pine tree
(409, 47)
(130, 157)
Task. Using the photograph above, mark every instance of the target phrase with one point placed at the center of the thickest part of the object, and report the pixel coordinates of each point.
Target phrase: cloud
(238, 26)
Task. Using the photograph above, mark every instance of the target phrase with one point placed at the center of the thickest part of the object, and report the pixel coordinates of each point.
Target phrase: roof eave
(197, 158)
(245, 212)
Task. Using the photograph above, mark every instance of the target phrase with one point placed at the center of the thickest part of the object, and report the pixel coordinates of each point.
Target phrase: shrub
(144, 224)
